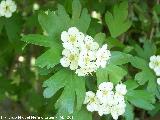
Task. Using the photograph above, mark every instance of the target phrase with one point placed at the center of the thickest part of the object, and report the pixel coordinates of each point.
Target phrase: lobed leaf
(118, 22)
(37, 39)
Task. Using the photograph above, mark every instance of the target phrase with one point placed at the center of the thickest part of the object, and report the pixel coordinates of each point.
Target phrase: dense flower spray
(81, 53)
(107, 100)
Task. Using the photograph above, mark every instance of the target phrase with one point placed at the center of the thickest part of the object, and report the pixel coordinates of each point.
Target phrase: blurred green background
(21, 91)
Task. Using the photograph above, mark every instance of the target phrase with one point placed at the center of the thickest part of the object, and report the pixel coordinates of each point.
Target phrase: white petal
(8, 14)
(88, 96)
(157, 71)
(80, 72)
(64, 62)
(158, 81)
(121, 88)
(106, 86)
(88, 39)
(64, 36)
(80, 37)
(3, 3)
(73, 31)
(66, 52)
(74, 65)
(153, 58)
(94, 46)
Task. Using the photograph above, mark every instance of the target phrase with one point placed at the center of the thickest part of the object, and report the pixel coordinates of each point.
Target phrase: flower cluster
(7, 7)
(155, 65)
(81, 53)
(106, 101)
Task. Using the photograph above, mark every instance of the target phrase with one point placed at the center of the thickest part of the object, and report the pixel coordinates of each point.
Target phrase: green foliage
(24, 68)
(118, 22)
(108, 74)
(141, 99)
(40, 40)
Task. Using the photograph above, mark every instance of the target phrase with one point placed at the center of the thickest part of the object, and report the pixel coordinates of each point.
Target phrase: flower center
(92, 100)
(72, 38)
(87, 60)
(72, 57)
(157, 63)
(6, 8)
(105, 92)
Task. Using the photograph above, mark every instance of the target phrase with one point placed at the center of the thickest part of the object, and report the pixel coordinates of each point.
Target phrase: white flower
(72, 38)
(88, 69)
(106, 101)
(104, 109)
(7, 8)
(117, 110)
(89, 44)
(153, 61)
(105, 97)
(105, 93)
(121, 89)
(92, 101)
(118, 100)
(70, 58)
(86, 57)
(158, 81)
(106, 86)
(102, 55)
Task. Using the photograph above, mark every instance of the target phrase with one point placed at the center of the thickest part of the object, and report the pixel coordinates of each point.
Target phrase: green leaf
(54, 83)
(146, 75)
(13, 27)
(50, 58)
(131, 84)
(83, 22)
(141, 99)
(113, 42)
(139, 63)
(67, 99)
(142, 77)
(74, 86)
(80, 18)
(156, 110)
(82, 115)
(118, 22)
(76, 9)
(129, 113)
(37, 39)
(100, 38)
(79, 83)
(108, 74)
(148, 50)
(119, 58)
(74, 89)
(54, 22)
(1, 24)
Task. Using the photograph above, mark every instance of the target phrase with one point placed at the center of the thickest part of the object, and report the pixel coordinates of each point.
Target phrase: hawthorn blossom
(7, 8)
(106, 101)
(92, 101)
(72, 38)
(88, 56)
(70, 58)
(121, 89)
(102, 55)
(155, 64)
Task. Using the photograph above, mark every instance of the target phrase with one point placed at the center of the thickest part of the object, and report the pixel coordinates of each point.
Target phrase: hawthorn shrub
(80, 59)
